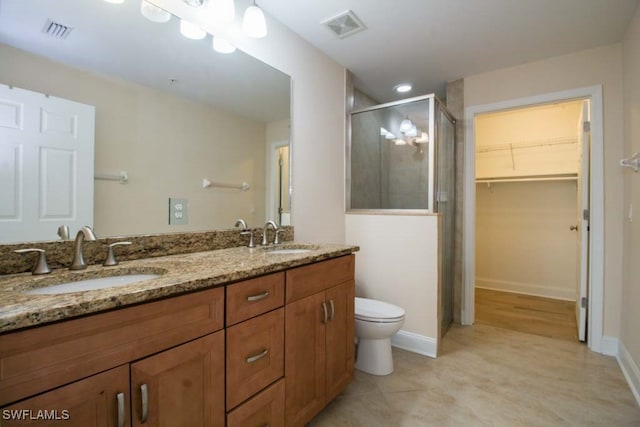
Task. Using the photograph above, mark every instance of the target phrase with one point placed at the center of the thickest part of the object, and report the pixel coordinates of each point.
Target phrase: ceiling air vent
(56, 29)
(345, 24)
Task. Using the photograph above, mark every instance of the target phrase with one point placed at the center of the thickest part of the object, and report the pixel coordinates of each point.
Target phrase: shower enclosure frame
(434, 102)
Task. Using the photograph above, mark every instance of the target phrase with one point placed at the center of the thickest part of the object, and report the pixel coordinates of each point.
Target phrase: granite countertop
(178, 274)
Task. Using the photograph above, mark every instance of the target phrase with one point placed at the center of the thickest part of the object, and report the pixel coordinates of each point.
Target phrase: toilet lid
(370, 309)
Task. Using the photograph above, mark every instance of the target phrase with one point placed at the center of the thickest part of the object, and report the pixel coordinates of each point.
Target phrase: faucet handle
(252, 244)
(276, 240)
(41, 266)
(111, 256)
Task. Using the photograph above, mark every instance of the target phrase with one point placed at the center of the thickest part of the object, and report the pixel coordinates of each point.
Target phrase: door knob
(573, 227)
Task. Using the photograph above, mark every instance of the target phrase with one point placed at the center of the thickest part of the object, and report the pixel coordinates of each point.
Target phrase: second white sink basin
(91, 284)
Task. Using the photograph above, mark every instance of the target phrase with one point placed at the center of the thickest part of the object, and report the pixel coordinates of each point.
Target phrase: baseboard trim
(610, 346)
(525, 288)
(415, 343)
(630, 370)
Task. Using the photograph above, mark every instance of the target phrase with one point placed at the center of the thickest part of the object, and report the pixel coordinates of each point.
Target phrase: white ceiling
(117, 41)
(430, 42)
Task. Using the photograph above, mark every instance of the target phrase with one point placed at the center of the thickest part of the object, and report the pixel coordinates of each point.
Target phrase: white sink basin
(289, 251)
(92, 284)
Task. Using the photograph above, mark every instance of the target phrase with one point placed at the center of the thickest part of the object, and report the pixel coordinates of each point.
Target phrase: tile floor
(487, 376)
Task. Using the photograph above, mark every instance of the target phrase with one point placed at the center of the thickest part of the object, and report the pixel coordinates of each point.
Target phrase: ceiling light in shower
(403, 88)
(191, 30)
(153, 13)
(221, 45)
(254, 24)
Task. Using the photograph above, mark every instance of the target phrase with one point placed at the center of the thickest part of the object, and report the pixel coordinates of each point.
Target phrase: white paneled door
(46, 165)
(582, 239)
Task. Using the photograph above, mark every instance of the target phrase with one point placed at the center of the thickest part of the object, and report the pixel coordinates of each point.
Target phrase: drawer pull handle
(258, 297)
(257, 357)
(325, 315)
(145, 403)
(333, 310)
(120, 399)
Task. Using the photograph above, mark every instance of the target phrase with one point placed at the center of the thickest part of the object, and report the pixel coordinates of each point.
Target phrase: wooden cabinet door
(305, 361)
(184, 385)
(339, 339)
(101, 400)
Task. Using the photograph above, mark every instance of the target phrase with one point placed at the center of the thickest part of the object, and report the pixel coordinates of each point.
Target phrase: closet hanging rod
(530, 144)
(528, 178)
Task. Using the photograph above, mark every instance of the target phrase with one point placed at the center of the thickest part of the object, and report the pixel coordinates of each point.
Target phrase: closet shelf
(526, 178)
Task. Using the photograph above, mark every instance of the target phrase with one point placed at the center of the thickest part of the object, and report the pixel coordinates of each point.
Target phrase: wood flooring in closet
(525, 313)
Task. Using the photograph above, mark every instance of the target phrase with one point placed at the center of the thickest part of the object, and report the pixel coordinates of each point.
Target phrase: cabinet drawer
(314, 278)
(253, 297)
(255, 356)
(264, 409)
(40, 359)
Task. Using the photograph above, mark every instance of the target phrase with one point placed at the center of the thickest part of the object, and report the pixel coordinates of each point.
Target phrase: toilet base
(374, 356)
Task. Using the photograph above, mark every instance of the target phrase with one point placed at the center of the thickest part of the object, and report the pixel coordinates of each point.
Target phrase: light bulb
(405, 125)
(412, 132)
(153, 13)
(222, 10)
(253, 22)
(221, 45)
(191, 31)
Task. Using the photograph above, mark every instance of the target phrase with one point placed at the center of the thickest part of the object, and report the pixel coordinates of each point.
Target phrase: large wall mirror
(169, 111)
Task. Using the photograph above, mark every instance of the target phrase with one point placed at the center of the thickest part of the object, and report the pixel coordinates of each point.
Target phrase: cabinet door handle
(258, 297)
(144, 394)
(333, 310)
(258, 356)
(120, 399)
(325, 318)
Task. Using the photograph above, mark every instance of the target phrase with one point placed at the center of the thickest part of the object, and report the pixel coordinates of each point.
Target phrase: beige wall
(317, 124)
(601, 66)
(398, 263)
(523, 242)
(166, 144)
(631, 287)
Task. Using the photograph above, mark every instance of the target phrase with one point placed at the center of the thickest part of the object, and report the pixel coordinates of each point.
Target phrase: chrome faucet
(273, 225)
(242, 223)
(78, 262)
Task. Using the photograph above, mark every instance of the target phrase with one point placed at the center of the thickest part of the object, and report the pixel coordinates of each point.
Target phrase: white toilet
(376, 321)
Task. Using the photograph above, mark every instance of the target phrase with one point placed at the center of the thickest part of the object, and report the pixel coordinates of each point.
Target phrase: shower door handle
(573, 228)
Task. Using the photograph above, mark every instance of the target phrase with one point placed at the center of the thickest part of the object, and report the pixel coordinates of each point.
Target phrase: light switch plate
(178, 211)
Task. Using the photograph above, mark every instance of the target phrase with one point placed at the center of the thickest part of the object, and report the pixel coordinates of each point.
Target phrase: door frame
(271, 198)
(596, 193)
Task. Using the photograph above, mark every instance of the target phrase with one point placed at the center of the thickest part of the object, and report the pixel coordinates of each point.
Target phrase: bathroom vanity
(228, 337)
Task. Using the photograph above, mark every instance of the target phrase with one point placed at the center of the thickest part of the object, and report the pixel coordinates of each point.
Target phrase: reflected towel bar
(123, 177)
(206, 183)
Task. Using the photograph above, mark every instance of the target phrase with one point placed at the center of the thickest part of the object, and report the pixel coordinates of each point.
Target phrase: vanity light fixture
(222, 10)
(403, 88)
(405, 125)
(221, 45)
(412, 132)
(191, 30)
(254, 24)
(153, 13)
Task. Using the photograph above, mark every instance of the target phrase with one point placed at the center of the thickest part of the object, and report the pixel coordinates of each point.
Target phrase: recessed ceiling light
(402, 88)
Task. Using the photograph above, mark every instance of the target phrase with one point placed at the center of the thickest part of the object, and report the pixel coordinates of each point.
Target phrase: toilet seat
(370, 310)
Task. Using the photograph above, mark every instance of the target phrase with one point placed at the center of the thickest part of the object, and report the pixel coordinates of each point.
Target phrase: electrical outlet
(178, 211)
